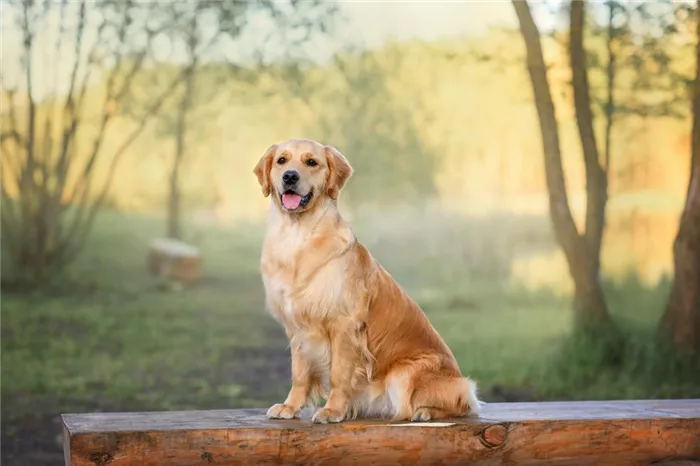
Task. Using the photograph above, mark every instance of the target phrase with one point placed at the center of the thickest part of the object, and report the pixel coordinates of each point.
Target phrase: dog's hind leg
(438, 396)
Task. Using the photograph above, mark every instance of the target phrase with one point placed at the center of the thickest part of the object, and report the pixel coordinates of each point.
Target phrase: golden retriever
(356, 338)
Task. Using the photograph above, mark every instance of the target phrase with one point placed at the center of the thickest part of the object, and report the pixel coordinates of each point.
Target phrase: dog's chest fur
(303, 272)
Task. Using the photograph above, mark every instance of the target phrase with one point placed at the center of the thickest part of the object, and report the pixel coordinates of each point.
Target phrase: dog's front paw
(325, 415)
(282, 411)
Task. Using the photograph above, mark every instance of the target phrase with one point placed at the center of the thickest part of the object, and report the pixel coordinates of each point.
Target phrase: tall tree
(193, 54)
(681, 320)
(226, 21)
(591, 303)
(582, 251)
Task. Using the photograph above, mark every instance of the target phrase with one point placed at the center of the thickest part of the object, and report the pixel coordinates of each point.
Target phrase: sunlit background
(128, 122)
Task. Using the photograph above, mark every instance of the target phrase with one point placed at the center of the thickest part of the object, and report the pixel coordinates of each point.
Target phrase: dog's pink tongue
(291, 201)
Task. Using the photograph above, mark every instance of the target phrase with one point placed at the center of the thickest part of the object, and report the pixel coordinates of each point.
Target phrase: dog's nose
(290, 177)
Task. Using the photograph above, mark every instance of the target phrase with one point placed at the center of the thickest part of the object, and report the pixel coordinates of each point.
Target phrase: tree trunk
(174, 204)
(591, 313)
(596, 178)
(610, 71)
(589, 297)
(174, 223)
(681, 320)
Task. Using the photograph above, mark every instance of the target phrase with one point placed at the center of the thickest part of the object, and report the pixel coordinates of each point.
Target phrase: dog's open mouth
(292, 200)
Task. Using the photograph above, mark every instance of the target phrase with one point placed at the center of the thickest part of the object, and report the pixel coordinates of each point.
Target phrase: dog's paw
(325, 416)
(421, 415)
(282, 411)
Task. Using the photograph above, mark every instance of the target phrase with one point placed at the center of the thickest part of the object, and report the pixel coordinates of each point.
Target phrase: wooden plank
(559, 433)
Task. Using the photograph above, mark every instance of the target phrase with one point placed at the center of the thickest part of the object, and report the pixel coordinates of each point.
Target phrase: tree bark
(174, 204)
(590, 309)
(681, 320)
(596, 176)
(610, 85)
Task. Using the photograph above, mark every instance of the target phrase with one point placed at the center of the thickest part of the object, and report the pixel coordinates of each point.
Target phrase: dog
(357, 339)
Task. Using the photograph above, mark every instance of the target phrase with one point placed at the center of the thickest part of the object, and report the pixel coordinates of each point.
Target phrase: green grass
(105, 337)
(107, 329)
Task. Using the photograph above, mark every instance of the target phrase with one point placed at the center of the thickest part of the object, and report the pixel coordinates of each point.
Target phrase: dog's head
(301, 173)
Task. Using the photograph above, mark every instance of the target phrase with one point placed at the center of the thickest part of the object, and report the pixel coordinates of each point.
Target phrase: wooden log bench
(566, 433)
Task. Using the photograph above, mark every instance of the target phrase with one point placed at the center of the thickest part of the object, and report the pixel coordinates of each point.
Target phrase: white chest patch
(277, 293)
(301, 280)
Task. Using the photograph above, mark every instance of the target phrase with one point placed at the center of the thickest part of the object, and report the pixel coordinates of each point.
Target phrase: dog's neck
(321, 228)
(304, 223)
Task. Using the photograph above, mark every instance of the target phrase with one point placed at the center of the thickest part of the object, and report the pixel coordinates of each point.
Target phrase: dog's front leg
(343, 376)
(303, 378)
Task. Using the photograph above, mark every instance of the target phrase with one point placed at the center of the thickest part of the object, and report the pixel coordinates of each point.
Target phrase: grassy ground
(106, 337)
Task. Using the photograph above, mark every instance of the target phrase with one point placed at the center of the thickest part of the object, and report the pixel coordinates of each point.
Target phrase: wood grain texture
(561, 433)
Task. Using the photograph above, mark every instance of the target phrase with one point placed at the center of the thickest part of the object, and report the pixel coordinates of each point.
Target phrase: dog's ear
(262, 169)
(339, 171)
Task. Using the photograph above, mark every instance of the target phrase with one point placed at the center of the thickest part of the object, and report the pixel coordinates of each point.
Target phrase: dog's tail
(470, 390)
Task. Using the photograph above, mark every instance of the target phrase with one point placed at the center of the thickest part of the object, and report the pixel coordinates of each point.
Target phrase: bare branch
(141, 124)
(128, 79)
(108, 109)
(47, 148)
(11, 167)
(9, 131)
(91, 60)
(11, 162)
(85, 223)
(59, 39)
(27, 179)
(72, 112)
(27, 183)
(78, 53)
(10, 134)
(70, 115)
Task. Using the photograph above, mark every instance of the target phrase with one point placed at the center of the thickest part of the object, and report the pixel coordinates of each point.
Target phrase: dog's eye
(311, 163)
(281, 160)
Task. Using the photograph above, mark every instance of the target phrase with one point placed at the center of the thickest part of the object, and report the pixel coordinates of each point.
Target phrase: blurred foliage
(379, 133)
(650, 42)
(414, 118)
